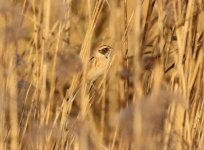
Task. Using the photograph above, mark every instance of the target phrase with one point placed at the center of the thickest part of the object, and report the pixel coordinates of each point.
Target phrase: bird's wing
(92, 62)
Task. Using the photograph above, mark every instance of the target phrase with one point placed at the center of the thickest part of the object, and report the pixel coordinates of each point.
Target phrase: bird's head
(105, 50)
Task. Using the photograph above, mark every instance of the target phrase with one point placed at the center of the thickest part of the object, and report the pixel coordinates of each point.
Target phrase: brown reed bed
(151, 96)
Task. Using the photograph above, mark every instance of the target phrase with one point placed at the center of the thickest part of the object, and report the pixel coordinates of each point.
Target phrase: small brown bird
(99, 63)
(97, 66)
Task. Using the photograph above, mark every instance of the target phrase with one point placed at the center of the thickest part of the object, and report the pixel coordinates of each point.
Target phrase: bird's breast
(97, 68)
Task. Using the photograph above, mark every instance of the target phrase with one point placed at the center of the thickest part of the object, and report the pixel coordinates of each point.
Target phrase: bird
(97, 65)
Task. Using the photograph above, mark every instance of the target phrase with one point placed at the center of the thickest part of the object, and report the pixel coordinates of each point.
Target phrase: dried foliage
(151, 96)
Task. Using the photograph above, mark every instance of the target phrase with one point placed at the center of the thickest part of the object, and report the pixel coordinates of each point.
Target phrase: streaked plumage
(99, 63)
(97, 66)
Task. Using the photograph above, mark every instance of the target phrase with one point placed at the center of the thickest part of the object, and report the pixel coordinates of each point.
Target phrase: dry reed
(151, 97)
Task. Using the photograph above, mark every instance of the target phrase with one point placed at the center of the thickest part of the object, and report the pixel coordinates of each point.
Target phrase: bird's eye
(105, 49)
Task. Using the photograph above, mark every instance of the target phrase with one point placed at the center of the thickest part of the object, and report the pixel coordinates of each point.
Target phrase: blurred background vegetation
(151, 97)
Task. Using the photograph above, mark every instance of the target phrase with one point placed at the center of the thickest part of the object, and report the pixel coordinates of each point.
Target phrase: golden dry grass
(151, 97)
